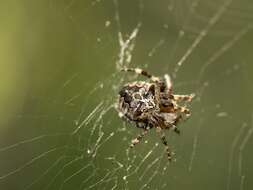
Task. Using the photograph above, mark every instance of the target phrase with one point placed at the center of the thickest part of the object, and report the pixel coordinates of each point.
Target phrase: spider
(152, 105)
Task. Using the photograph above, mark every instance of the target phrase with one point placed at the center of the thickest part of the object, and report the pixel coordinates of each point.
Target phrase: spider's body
(136, 102)
(152, 105)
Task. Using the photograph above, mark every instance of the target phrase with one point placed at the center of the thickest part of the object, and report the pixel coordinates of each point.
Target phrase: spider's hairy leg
(187, 98)
(141, 72)
(175, 129)
(157, 94)
(182, 109)
(165, 143)
(168, 83)
(174, 125)
(138, 138)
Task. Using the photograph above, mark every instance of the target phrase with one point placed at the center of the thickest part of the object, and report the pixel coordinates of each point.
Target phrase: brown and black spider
(152, 104)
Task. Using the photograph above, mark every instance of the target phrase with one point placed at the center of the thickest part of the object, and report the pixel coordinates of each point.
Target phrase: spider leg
(138, 138)
(174, 125)
(182, 109)
(175, 129)
(187, 98)
(168, 84)
(165, 143)
(142, 72)
(157, 95)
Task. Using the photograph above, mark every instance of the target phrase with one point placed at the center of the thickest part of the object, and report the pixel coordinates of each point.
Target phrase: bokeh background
(60, 75)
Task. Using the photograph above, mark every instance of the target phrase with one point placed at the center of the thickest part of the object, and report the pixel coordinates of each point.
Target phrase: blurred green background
(58, 63)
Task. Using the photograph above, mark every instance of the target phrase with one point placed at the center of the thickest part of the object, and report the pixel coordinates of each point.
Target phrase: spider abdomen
(136, 100)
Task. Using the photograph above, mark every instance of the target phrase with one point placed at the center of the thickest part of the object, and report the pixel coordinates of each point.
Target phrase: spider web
(63, 132)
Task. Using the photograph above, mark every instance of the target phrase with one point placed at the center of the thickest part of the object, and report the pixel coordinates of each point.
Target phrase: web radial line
(88, 118)
(194, 148)
(151, 177)
(62, 169)
(241, 149)
(74, 174)
(141, 162)
(242, 182)
(224, 49)
(116, 183)
(115, 161)
(117, 18)
(108, 180)
(232, 150)
(162, 170)
(88, 178)
(111, 179)
(66, 83)
(104, 179)
(202, 34)
(98, 182)
(97, 122)
(45, 172)
(194, 4)
(101, 133)
(23, 142)
(30, 162)
(148, 167)
(154, 49)
(126, 46)
(97, 145)
(70, 100)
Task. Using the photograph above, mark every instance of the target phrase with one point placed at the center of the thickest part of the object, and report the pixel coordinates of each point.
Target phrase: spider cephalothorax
(152, 104)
